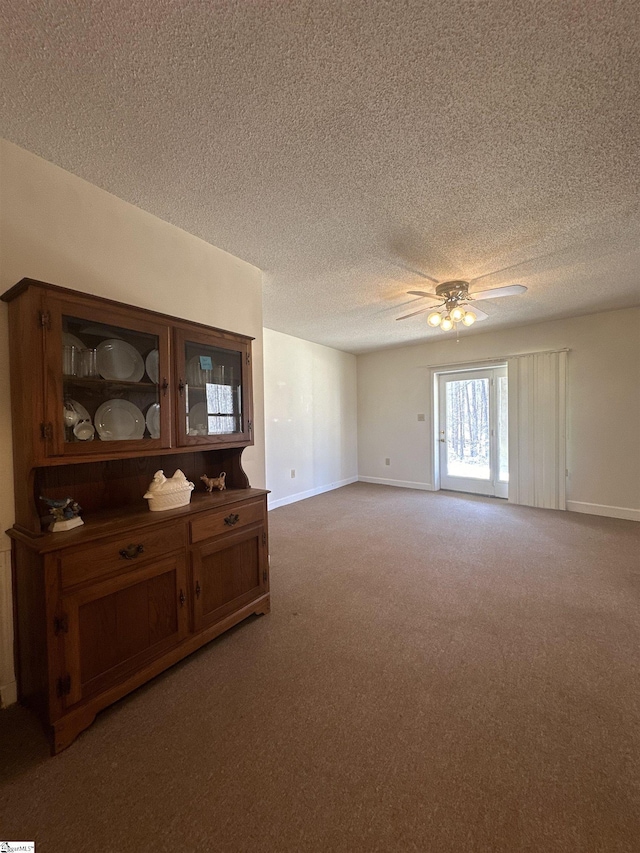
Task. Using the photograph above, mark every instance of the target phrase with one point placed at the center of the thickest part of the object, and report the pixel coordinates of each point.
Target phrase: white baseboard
(603, 509)
(402, 484)
(8, 695)
(301, 496)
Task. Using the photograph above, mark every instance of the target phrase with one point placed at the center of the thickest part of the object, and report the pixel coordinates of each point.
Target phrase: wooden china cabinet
(103, 395)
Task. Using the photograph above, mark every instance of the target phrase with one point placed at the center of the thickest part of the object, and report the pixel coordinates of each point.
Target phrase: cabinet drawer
(122, 552)
(232, 518)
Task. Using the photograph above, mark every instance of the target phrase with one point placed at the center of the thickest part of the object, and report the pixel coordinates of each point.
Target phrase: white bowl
(84, 431)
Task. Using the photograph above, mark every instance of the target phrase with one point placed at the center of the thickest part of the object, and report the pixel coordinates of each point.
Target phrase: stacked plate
(119, 420)
(118, 360)
(151, 363)
(195, 374)
(153, 420)
(69, 340)
(198, 419)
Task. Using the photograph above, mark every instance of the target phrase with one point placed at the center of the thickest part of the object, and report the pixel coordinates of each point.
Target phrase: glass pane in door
(502, 385)
(467, 428)
(213, 390)
(110, 382)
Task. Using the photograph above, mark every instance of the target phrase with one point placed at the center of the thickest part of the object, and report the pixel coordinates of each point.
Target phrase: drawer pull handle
(232, 519)
(182, 598)
(131, 552)
(198, 590)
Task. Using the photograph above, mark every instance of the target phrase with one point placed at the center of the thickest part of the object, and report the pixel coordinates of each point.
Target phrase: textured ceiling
(347, 146)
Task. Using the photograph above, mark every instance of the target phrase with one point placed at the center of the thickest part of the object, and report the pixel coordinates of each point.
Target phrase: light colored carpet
(438, 673)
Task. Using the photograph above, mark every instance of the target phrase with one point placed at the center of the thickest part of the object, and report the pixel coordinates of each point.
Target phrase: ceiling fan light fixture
(447, 324)
(455, 297)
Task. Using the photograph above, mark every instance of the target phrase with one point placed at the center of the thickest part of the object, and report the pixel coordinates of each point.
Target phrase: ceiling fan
(454, 298)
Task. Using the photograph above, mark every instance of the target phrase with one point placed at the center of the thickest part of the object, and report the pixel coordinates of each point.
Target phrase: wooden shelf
(115, 521)
(99, 382)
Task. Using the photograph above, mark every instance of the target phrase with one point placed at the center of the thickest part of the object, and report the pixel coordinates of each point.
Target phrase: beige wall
(59, 228)
(603, 408)
(310, 418)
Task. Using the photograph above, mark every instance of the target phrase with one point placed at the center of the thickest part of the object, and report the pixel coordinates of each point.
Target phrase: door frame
(435, 372)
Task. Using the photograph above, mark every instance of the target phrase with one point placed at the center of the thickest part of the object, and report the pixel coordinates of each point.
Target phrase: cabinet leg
(65, 731)
(265, 607)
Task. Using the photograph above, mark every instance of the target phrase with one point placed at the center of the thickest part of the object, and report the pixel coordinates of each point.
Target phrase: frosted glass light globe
(434, 319)
(469, 318)
(457, 314)
(447, 324)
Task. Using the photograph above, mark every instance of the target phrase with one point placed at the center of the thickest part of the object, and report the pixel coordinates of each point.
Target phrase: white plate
(119, 360)
(119, 420)
(198, 420)
(153, 420)
(69, 340)
(195, 374)
(151, 363)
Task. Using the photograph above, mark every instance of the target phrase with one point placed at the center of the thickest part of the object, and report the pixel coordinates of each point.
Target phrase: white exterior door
(473, 431)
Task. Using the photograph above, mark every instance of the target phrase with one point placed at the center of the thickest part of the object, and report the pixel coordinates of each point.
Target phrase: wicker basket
(169, 493)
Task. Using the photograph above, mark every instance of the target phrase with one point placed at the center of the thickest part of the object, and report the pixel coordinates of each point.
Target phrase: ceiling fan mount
(453, 291)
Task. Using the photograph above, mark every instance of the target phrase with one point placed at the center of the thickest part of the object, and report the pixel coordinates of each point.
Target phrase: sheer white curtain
(537, 429)
(220, 409)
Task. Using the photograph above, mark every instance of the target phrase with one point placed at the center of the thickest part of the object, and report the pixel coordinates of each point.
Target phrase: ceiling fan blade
(480, 314)
(424, 293)
(497, 292)
(413, 313)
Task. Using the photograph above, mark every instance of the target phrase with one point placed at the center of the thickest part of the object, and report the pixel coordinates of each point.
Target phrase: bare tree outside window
(468, 436)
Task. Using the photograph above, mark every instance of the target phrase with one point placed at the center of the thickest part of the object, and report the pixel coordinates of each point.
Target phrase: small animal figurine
(212, 483)
(64, 512)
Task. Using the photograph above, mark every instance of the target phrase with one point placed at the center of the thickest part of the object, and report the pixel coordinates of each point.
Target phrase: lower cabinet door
(118, 625)
(227, 573)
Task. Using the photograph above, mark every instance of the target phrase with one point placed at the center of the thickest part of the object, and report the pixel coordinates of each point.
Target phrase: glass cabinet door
(113, 382)
(212, 389)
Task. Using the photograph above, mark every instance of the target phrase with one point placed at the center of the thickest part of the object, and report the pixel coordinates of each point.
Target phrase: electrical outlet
(293, 473)
(421, 417)
(387, 461)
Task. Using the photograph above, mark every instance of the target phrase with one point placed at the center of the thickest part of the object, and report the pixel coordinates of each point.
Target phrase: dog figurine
(212, 483)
